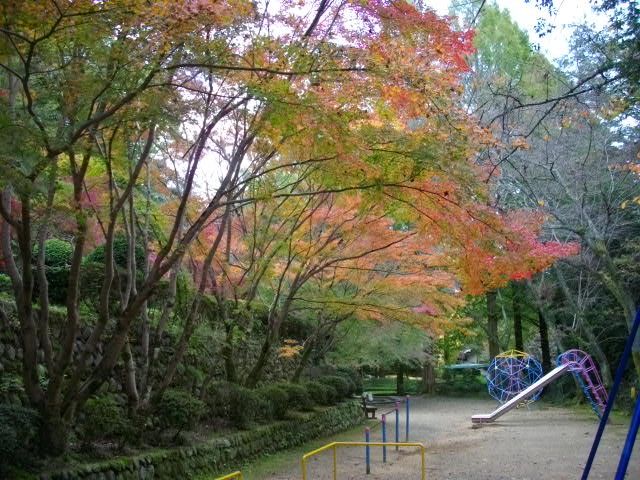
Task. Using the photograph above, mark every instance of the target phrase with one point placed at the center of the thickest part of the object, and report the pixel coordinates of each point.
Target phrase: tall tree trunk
(428, 377)
(492, 324)
(304, 360)
(544, 341)
(517, 316)
(228, 353)
(130, 385)
(191, 320)
(145, 336)
(256, 372)
(41, 276)
(255, 375)
(400, 390)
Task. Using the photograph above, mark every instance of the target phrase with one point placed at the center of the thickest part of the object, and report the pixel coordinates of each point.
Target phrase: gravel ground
(525, 444)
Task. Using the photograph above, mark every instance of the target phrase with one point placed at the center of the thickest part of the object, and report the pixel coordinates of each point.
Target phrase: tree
(100, 94)
(390, 347)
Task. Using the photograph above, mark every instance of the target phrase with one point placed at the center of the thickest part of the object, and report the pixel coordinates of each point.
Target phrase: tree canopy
(222, 176)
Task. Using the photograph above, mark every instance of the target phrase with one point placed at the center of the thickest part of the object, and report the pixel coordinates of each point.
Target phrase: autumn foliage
(299, 153)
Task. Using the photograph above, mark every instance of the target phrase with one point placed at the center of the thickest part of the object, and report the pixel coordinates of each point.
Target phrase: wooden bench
(368, 409)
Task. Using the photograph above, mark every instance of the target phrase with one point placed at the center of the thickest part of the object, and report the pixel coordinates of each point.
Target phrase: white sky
(554, 45)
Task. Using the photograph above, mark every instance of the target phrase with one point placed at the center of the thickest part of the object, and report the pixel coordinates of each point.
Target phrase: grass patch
(387, 385)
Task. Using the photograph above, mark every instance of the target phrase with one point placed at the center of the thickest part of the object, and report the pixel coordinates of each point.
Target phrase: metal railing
(231, 476)
(335, 445)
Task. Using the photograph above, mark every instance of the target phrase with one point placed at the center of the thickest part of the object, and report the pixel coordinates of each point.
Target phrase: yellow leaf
(624, 204)
(541, 203)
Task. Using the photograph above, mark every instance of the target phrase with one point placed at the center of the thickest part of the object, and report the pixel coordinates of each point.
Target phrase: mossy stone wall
(221, 454)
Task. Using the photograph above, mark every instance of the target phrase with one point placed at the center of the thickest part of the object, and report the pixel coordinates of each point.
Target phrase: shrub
(57, 258)
(5, 284)
(57, 281)
(120, 252)
(57, 253)
(245, 406)
(339, 383)
(11, 388)
(318, 392)
(179, 410)
(103, 418)
(218, 400)
(18, 432)
(263, 408)
(277, 398)
(354, 378)
(299, 397)
(350, 383)
(332, 394)
(91, 279)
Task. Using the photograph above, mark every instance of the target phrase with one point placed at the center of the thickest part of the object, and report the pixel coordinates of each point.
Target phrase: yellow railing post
(231, 476)
(304, 469)
(335, 463)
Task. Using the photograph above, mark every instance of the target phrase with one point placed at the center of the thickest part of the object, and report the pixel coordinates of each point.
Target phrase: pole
(367, 433)
(612, 394)
(407, 428)
(397, 424)
(384, 438)
(628, 445)
(335, 463)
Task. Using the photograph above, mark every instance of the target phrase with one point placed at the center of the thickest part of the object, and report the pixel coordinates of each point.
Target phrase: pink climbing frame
(581, 363)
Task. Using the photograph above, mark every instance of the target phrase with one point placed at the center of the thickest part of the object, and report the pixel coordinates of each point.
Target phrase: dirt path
(540, 443)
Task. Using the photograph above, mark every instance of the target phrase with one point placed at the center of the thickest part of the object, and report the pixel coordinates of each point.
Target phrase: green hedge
(321, 393)
(18, 434)
(238, 404)
(299, 398)
(277, 398)
(354, 377)
(57, 253)
(103, 418)
(179, 410)
(244, 407)
(341, 384)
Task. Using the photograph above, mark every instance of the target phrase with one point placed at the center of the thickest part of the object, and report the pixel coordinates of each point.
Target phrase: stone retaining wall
(219, 455)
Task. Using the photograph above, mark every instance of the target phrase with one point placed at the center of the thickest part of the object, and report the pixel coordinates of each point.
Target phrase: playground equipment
(635, 420)
(522, 396)
(371, 404)
(575, 361)
(368, 403)
(396, 411)
(511, 373)
(585, 371)
(231, 476)
(335, 445)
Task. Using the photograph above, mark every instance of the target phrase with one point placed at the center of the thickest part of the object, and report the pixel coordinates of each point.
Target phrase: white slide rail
(526, 393)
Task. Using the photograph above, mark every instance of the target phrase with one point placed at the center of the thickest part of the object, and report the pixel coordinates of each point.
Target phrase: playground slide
(515, 401)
